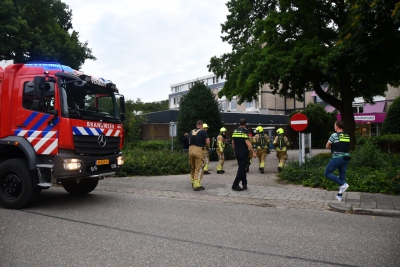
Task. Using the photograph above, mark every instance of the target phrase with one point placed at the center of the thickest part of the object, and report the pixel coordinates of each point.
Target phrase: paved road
(264, 190)
(125, 229)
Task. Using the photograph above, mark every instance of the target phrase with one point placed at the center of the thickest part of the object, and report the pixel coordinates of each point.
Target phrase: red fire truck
(57, 126)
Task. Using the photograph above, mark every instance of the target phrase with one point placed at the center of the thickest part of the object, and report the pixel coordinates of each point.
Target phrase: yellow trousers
(221, 158)
(197, 162)
(261, 154)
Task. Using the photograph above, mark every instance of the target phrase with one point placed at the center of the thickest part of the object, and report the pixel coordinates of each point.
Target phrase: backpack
(281, 142)
(261, 141)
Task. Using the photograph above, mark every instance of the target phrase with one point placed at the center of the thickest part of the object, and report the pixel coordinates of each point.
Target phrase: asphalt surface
(263, 190)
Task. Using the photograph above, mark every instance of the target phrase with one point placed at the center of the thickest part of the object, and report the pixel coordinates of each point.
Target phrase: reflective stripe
(239, 134)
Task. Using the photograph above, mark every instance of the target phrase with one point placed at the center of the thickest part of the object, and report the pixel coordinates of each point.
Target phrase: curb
(377, 212)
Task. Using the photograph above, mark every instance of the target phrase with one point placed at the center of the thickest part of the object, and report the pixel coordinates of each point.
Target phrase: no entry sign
(299, 122)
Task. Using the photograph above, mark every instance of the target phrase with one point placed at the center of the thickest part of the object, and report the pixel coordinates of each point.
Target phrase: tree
(199, 104)
(40, 30)
(391, 125)
(299, 45)
(320, 123)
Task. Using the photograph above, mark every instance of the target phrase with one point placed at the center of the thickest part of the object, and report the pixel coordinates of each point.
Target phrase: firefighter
(220, 150)
(207, 152)
(198, 141)
(281, 144)
(261, 142)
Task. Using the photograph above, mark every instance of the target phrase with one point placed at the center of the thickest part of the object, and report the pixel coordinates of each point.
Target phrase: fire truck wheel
(84, 187)
(16, 185)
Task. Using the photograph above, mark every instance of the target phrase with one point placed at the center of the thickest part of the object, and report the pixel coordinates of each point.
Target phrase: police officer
(206, 154)
(261, 142)
(198, 141)
(241, 145)
(281, 144)
(220, 150)
(339, 143)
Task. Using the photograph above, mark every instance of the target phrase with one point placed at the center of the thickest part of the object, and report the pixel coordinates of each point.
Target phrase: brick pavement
(263, 190)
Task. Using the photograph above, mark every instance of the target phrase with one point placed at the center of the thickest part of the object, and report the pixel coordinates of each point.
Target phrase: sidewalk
(263, 189)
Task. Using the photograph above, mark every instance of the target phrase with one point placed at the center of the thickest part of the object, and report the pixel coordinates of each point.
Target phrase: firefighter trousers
(197, 162)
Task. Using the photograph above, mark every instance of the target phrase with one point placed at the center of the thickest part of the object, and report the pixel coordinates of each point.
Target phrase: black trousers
(242, 158)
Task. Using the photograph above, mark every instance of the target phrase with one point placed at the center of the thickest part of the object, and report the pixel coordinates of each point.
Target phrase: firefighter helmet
(280, 131)
(205, 125)
(223, 129)
(259, 129)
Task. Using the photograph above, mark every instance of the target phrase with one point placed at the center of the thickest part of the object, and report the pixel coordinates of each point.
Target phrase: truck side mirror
(122, 104)
(39, 84)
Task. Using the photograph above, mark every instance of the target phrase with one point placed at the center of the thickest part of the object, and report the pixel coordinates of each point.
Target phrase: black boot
(236, 188)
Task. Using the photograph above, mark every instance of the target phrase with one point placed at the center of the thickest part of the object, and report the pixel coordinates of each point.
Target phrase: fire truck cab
(59, 126)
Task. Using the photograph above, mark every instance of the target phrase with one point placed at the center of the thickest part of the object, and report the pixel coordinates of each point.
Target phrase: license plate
(102, 161)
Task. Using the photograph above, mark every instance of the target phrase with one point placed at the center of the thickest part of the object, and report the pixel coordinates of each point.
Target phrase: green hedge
(389, 143)
(141, 161)
(369, 170)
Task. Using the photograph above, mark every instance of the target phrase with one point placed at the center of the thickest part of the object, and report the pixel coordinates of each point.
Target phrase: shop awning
(377, 108)
(329, 108)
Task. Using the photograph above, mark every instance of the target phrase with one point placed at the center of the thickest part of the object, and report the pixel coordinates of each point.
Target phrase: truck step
(44, 184)
(50, 166)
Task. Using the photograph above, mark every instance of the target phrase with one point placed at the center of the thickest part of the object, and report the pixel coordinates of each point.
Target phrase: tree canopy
(199, 104)
(40, 30)
(351, 45)
(391, 125)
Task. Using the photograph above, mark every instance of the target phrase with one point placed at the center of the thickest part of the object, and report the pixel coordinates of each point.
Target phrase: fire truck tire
(17, 189)
(84, 187)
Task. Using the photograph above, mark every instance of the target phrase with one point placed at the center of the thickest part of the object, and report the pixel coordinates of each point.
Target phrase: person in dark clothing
(241, 145)
(185, 142)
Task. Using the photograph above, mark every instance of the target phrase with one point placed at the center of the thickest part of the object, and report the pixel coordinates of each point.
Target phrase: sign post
(172, 133)
(299, 122)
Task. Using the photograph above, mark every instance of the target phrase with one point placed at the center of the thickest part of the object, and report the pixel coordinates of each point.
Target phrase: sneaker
(279, 169)
(220, 172)
(339, 197)
(207, 172)
(343, 188)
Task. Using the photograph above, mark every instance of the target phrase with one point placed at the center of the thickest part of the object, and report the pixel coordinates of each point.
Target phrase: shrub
(370, 170)
(144, 162)
(368, 155)
(391, 125)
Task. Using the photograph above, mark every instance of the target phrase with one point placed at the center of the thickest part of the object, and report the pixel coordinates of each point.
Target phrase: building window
(232, 104)
(250, 104)
(358, 109)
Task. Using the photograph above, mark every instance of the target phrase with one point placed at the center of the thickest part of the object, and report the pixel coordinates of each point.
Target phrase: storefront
(368, 124)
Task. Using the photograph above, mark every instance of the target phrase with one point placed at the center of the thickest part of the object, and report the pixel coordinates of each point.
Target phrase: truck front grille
(89, 145)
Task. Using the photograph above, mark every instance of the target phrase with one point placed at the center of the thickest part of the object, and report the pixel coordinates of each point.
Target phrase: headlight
(72, 164)
(120, 160)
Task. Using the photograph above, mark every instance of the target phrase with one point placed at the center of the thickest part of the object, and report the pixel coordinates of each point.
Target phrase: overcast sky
(145, 46)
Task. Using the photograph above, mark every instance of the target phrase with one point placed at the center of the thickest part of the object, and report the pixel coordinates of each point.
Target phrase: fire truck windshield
(88, 102)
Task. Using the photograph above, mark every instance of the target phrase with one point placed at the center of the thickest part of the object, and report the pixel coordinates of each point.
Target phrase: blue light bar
(45, 66)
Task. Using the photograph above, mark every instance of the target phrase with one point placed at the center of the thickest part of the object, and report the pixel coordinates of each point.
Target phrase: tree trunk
(347, 114)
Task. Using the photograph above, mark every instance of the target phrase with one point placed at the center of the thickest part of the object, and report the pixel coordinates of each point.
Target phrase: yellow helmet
(205, 125)
(259, 129)
(223, 129)
(280, 131)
